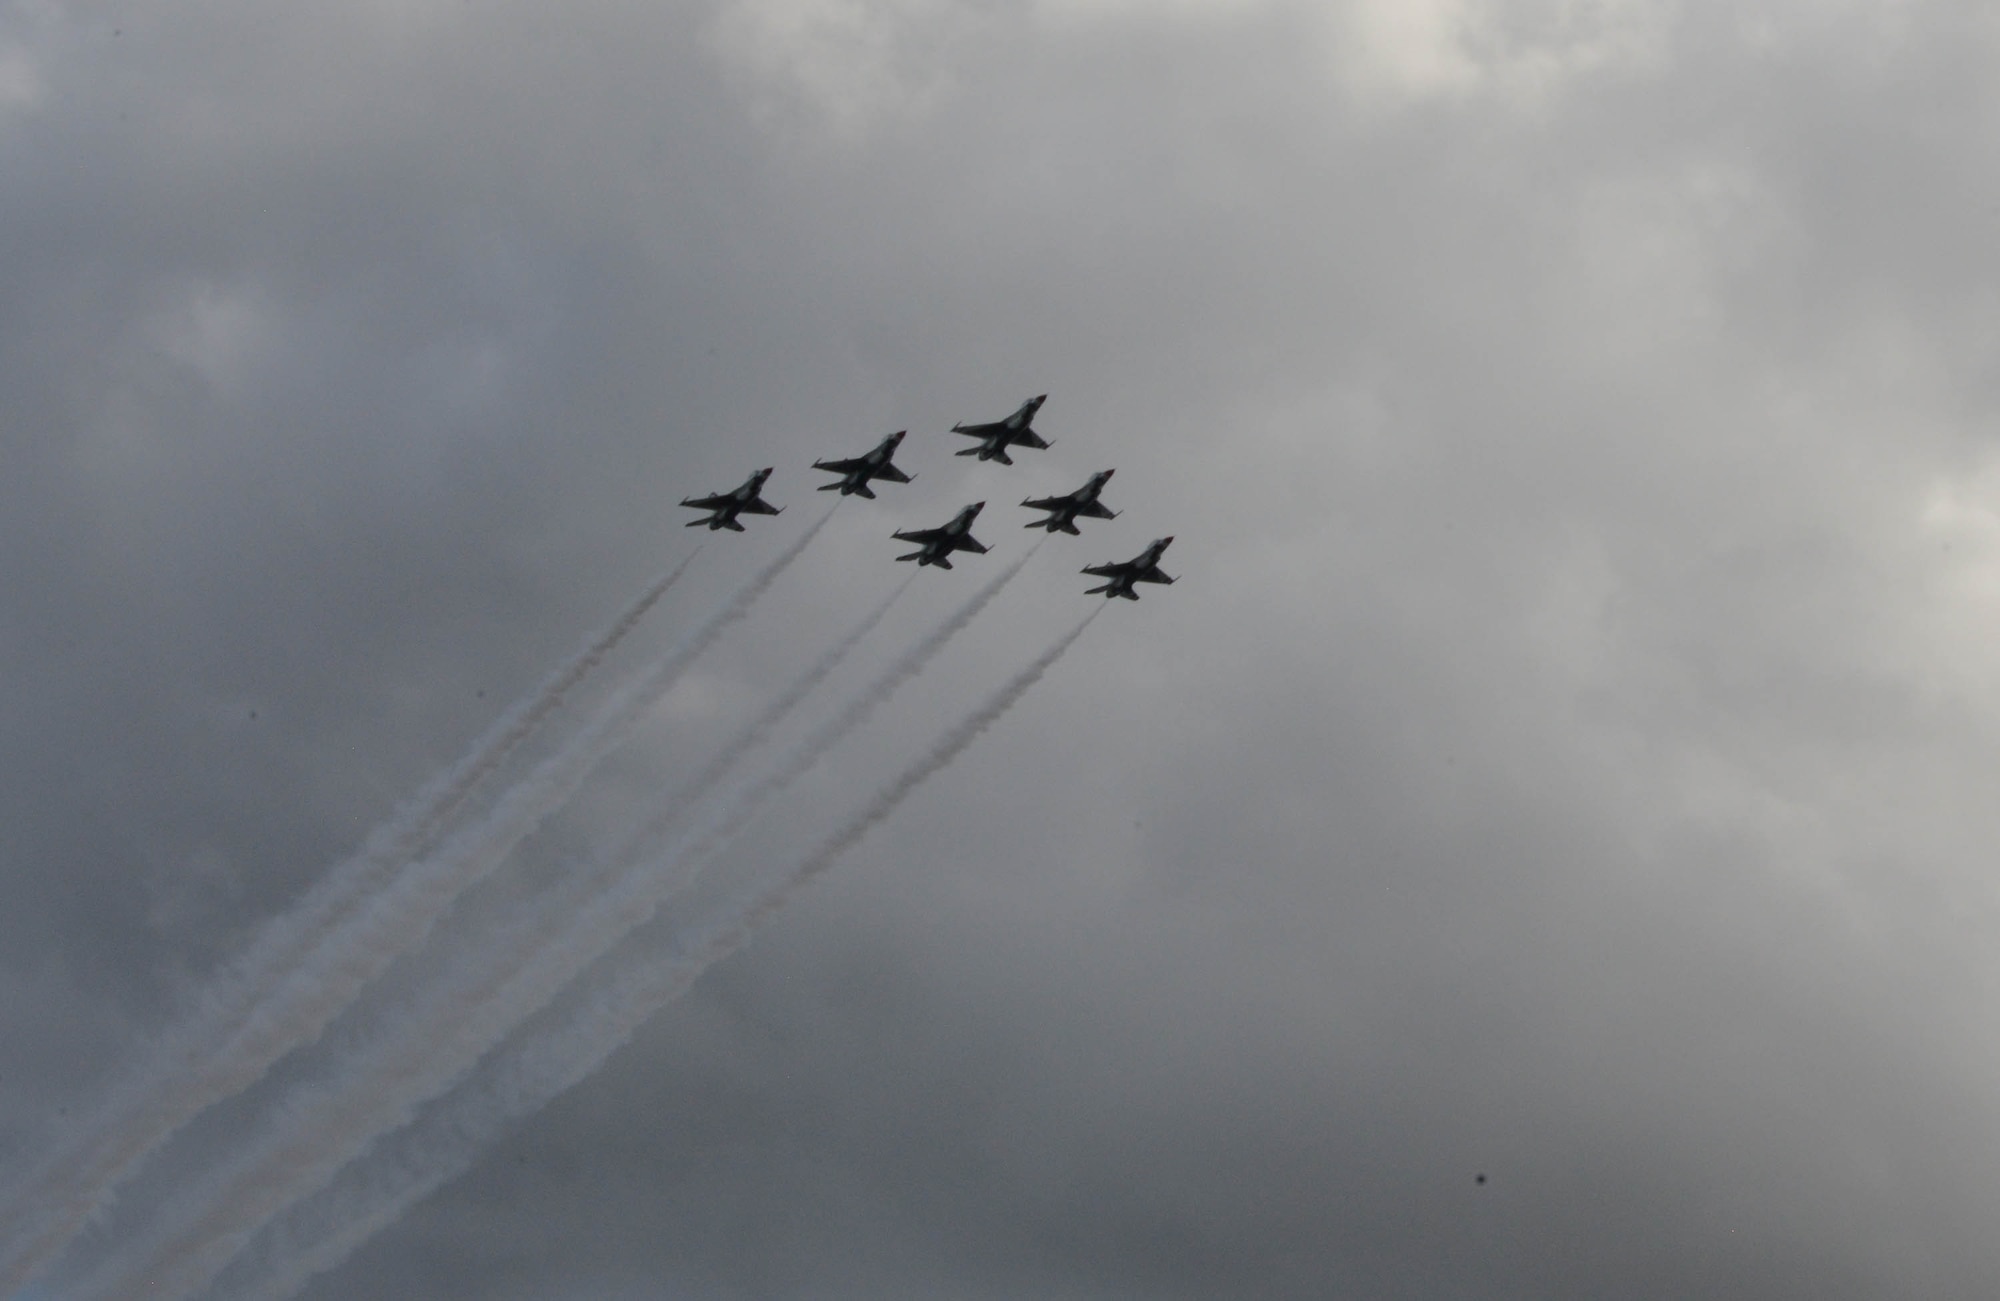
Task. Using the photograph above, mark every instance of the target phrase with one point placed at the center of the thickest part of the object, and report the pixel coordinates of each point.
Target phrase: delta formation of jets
(935, 546)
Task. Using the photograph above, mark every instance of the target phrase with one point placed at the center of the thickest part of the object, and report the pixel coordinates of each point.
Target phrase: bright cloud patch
(843, 65)
(20, 81)
(1401, 50)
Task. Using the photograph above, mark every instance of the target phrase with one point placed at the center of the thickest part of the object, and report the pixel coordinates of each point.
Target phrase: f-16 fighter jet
(1064, 510)
(936, 545)
(995, 438)
(855, 472)
(1142, 568)
(728, 505)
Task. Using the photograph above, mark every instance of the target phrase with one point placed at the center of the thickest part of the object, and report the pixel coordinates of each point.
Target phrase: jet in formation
(856, 471)
(934, 546)
(1015, 431)
(1142, 568)
(1064, 510)
(728, 505)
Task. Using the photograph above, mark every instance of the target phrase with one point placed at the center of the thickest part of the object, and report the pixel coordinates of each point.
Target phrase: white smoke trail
(427, 1048)
(450, 1135)
(759, 730)
(54, 1202)
(701, 845)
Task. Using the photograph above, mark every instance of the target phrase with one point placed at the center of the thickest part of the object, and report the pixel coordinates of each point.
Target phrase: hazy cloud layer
(1566, 756)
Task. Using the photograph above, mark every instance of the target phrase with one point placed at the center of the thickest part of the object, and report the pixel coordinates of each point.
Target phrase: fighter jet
(1142, 568)
(936, 545)
(728, 505)
(855, 472)
(1064, 510)
(995, 438)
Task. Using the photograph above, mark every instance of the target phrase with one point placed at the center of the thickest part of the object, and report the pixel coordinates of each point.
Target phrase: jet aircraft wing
(1142, 568)
(943, 539)
(1071, 506)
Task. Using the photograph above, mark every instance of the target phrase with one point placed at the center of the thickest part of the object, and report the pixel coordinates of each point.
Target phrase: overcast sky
(1567, 756)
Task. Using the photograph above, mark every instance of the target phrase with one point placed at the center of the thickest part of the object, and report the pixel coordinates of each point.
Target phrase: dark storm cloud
(1564, 757)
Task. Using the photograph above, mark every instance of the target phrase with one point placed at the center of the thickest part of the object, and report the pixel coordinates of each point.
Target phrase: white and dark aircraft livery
(936, 545)
(856, 471)
(1016, 431)
(1064, 510)
(1142, 568)
(728, 505)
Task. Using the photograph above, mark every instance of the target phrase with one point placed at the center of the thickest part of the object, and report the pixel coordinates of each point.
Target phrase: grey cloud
(1562, 758)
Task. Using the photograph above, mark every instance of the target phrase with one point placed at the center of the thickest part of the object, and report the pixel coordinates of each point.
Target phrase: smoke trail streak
(400, 915)
(754, 735)
(451, 1134)
(427, 1048)
(54, 1203)
(697, 847)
